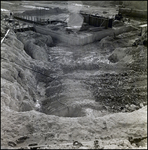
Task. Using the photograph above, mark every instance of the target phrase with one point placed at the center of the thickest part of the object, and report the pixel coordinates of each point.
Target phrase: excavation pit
(70, 111)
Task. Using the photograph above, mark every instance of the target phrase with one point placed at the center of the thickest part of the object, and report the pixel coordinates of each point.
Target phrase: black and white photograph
(73, 74)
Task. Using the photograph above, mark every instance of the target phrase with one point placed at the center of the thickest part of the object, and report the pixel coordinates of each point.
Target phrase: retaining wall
(85, 37)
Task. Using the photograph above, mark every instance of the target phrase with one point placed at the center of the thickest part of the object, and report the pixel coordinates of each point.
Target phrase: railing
(31, 19)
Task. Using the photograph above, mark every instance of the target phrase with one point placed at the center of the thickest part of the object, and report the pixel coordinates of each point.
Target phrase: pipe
(5, 36)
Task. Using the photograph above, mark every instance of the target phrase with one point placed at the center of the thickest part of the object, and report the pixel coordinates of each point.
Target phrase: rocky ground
(69, 97)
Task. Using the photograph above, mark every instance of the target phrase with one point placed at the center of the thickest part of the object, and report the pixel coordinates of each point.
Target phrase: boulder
(26, 106)
(117, 55)
(113, 58)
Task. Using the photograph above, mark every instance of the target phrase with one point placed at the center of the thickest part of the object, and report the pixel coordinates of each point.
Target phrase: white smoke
(75, 20)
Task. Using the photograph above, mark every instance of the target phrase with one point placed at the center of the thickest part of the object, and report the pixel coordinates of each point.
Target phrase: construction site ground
(88, 97)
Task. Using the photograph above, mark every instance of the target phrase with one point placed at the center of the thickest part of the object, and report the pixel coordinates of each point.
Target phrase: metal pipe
(5, 36)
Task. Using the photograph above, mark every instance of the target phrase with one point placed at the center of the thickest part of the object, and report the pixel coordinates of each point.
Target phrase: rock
(113, 58)
(133, 107)
(12, 144)
(22, 139)
(76, 143)
(133, 144)
(127, 106)
(50, 135)
(125, 143)
(117, 55)
(141, 105)
(26, 106)
(96, 144)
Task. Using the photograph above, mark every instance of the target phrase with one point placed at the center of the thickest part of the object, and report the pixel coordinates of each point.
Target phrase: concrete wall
(82, 40)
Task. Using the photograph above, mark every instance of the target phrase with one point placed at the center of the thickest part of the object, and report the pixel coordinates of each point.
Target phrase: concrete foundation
(81, 38)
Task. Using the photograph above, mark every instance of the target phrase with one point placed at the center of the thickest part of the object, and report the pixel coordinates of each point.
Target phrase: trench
(59, 91)
(63, 91)
(81, 80)
(68, 95)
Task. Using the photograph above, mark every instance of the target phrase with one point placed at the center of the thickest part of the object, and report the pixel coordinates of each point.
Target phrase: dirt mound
(20, 70)
(35, 44)
(120, 54)
(45, 130)
(35, 51)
